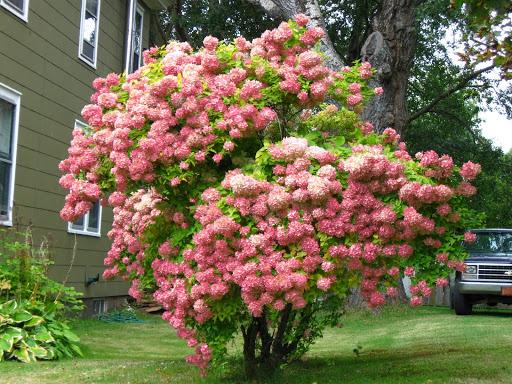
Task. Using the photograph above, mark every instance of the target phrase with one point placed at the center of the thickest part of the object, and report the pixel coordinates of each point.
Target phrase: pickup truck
(488, 274)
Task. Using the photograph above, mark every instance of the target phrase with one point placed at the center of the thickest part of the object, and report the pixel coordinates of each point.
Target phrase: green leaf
(22, 316)
(22, 355)
(9, 307)
(39, 352)
(9, 340)
(44, 336)
(5, 346)
(71, 336)
(36, 320)
(50, 353)
(12, 332)
(5, 320)
(339, 141)
(77, 350)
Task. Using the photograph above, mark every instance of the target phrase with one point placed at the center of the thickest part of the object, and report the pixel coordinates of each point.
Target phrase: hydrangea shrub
(249, 196)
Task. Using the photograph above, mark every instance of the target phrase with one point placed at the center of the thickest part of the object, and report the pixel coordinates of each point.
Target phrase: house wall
(39, 58)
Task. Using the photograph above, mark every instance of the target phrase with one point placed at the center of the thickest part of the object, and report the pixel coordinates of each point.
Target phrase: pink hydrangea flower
(469, 237)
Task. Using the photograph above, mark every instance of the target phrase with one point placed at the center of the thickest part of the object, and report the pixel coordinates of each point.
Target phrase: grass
(399, 345)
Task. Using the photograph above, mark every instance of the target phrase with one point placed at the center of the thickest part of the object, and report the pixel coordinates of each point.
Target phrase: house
(50, 52)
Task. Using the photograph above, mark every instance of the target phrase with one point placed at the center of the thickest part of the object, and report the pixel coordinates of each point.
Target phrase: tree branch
(270, 7)
(449, 91)
(266, 339)
(277, 345)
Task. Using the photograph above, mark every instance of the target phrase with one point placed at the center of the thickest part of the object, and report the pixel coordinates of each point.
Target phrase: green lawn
(399, 345)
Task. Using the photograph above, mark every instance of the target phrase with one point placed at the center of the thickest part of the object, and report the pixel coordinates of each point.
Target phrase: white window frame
(134, 8)
(81, 56)
(14, 97)
(81, 125)
(23, 15)
(85, 226)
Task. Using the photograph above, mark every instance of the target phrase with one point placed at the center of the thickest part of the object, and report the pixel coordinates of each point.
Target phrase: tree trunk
(265, 351)
(250, 364)
(390, 49)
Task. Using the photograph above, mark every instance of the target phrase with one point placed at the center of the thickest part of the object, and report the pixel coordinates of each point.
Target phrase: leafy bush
(34, 307)
(24, 275)
(248, 204)
(26, 337)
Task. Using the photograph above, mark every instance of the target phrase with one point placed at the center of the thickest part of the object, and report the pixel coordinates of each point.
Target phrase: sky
(497, 128)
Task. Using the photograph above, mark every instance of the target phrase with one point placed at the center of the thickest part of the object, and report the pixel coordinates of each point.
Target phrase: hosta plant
(249, 197)
(28, 337)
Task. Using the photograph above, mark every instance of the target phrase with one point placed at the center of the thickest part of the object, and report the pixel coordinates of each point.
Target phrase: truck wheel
(461, 303)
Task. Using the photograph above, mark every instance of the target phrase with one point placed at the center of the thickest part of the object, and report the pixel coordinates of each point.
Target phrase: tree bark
(265, 351)
(390, 49)
(250, 364)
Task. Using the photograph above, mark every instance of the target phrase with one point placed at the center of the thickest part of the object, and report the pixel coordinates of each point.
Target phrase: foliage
(27, 334)
(488, 34)
(192, 21)
(451, 126)
(248, 203)
(33, 308)
(24, 274)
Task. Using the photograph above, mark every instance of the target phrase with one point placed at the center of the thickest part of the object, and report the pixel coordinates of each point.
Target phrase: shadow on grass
(494, 312)
(373, 366)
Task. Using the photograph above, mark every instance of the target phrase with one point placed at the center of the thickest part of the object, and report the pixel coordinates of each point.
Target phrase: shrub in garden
(249, 197)
(32, 306)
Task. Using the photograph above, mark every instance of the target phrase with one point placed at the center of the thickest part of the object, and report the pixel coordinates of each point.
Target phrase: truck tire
(461, 303)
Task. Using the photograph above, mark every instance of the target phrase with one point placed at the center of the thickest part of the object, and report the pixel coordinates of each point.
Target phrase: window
(98, 306)
(17, 7)
(90, 223)
(133, 57)
(9, 120)
(88, 45)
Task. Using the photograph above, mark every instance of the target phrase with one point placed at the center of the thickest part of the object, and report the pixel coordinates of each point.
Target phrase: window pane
(6, 123)
(18, 4)
(135, 59)
(92, 6)
(78, 224)
(88, 50)
(137, 41)
(90, 29)
(5, 176)
(94, 218)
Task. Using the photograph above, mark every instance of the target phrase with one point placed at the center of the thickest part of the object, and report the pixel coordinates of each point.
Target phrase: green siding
(40, 60)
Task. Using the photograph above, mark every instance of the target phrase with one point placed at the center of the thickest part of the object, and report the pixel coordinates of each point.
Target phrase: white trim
(23, 16)
(134, 8)
(81, 56)
(127, 60)
(14, 97)
(80, 124)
